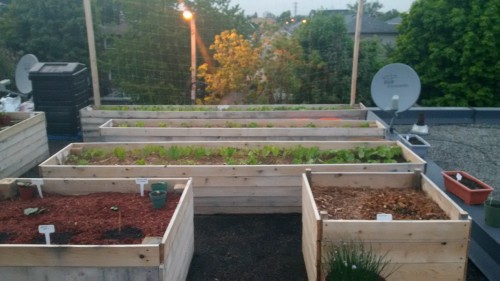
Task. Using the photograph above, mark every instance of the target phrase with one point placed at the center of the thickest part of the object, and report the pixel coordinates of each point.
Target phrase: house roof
(370, 25)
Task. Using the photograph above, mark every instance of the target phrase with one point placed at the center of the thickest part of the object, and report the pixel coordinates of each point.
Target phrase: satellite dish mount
(394, 89)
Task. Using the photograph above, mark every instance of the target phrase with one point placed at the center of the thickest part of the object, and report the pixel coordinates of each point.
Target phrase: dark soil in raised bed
(248, 248)
(85, 219)
(255, 248)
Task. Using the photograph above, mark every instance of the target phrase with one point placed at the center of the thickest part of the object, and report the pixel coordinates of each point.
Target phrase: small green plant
(311, 125)
(230, 124)
(33, 211)
(93, 153)
(185, 125)
(117, 209)
(141, 161)
(253, 125)
(162, 125)
(174, 152)
(122, 125)
(199, 152)
(270, 125)
(140, 124)
(353, 260)
(120, 153)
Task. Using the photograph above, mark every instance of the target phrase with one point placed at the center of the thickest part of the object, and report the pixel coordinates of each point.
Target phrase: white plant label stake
(142, 182)
(407, 138)
(38, 183)
(459, 177)
(46, 229)
(384, 217)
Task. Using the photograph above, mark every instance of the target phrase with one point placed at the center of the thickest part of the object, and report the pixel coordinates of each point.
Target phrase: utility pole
(92, 52)
(357, 35)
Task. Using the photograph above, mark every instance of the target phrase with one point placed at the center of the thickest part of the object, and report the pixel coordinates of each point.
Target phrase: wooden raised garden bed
(419, 249)
(24, 143)
(228, 186)
(148, 130)
(92, 118)
(166, 257)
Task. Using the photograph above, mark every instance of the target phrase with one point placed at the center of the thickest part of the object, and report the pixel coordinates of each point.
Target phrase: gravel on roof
(473, 148)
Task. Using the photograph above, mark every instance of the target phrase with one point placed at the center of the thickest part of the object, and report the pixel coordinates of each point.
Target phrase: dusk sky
(276, 7)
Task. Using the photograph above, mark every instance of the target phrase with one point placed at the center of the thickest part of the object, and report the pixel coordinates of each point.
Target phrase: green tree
(283, 62)
(453, 46)
(389, 15)
(369, 8)
(373, 9)
(149, 51)
(7, 64)
(328, 59)
(53, 30)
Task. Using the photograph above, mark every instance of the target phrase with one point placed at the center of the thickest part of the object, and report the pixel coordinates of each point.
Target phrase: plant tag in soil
(141, 182)
(46, 229)
(407, 138)
(458, 176)
(384, 217)
(38, 183)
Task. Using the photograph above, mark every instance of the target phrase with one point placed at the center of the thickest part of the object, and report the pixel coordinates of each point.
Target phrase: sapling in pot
(492, 209)
(117, 209)
(494, 199)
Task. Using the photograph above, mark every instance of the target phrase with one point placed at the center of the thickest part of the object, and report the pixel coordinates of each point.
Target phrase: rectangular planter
(422, 249)
(469, 196)
(92, 118)
(231, 188)
(419, 149)
(23, 145)
(168, 259)
(118, 130)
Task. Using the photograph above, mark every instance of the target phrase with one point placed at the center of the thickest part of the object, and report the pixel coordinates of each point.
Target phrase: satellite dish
(395, 87)
(23, 67)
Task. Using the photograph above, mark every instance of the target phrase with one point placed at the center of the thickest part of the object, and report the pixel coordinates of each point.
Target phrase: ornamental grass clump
(352, 260)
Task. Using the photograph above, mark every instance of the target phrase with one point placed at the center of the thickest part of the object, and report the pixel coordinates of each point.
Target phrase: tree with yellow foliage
(238, 67)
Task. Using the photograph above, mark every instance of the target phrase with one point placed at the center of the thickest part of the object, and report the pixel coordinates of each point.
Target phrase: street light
(188, 15)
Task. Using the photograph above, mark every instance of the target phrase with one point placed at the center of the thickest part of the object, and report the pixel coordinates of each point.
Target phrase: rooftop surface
(459, 141)
(463, 139)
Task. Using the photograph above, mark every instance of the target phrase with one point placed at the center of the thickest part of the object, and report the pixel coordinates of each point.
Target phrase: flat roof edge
(444, 115)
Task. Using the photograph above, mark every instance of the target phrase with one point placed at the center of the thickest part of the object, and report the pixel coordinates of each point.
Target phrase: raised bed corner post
(309, 175)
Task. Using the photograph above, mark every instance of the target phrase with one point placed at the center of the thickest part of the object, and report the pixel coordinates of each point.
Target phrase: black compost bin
(61, 89)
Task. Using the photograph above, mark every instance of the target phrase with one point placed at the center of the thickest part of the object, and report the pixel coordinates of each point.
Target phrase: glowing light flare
(187, 15)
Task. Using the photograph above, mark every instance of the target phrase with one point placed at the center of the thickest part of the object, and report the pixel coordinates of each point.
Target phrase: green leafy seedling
(33, 211)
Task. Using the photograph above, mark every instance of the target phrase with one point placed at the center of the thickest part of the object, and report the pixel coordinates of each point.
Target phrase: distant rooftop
(369, 24)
